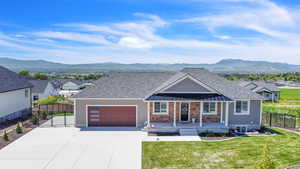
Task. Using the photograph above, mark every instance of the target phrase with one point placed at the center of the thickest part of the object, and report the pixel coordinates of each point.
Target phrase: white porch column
(221, 118)
(174, 115)
(226, 114)
(201, 111)
(148, 113)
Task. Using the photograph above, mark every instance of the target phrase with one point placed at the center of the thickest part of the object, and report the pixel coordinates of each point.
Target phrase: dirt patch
(162, 134)
(13, 135)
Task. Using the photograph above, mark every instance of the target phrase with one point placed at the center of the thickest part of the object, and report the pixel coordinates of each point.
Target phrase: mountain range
(223, 66)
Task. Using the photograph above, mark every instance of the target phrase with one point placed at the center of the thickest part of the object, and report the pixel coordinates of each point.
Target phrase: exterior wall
(14, 101)
(252, 121)
(50, 91)
(70, 86)
(194, 112)
(187, 85)
(80, 109)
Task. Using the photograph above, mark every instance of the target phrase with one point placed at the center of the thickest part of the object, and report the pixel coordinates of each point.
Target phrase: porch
(206, 127)
(172, 112)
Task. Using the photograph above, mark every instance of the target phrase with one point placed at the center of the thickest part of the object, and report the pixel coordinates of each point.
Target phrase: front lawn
(241, 152)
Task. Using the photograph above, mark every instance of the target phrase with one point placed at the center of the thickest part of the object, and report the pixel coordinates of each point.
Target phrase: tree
(24, 73)
(5, 136)
(19, 129)
(266, 161)
(40, 76)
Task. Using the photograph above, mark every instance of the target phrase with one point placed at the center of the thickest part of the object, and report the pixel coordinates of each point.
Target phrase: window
(242, 107)
(160, 107)
(209, 108)
(26, 92)
(35, 97)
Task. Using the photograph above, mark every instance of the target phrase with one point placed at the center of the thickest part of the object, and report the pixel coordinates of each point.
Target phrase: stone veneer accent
(162, 117)
(213, 118)
(194, 113)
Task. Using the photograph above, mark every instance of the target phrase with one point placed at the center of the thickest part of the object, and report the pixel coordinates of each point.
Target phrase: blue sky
(152, 31)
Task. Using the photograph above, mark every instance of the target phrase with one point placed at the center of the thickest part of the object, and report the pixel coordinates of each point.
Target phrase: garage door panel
(112, 116)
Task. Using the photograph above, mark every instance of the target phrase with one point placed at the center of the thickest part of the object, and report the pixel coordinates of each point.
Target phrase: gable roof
(10, 80)
(261, 85)
(39, 86)
(143, 84)
(125, 85)
(228, 88)
(179, 77)
(57, 84)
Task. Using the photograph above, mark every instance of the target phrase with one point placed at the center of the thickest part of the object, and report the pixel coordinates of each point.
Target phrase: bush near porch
(243, 152)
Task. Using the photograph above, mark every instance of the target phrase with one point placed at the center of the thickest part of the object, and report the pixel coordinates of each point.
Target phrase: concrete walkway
(72, 148)
(171, 138)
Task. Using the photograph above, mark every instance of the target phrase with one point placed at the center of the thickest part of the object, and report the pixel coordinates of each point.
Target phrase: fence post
(270, 118)
(38, 118)
(65, 118)
(283, 120)
(51, 119)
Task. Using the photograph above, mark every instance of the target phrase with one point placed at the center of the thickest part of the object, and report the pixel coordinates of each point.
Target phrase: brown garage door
(112, 115)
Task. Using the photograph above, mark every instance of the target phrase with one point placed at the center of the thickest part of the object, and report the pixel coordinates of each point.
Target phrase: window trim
(242, 112)
(210, 113)
(161, 113)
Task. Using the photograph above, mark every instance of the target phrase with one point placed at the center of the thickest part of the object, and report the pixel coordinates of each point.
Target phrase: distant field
(284, 110)
(289, 103)
(290, 94)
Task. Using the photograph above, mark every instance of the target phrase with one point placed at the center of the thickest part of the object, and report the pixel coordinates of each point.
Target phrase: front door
(184, 115)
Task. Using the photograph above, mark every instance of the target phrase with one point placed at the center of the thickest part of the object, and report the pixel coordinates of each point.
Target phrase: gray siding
(80, 109)
(252, 120)
(187, 85)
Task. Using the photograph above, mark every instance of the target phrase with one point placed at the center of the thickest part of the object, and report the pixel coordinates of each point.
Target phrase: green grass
(53, 100)
(290, 94)
(284, 110)
(62, 114)
(289, 97)
(241, 152)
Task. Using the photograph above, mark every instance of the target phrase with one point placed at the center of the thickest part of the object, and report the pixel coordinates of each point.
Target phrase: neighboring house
(269, 91)
(42, 89)
(168, 101)
(69, 87)
(15, 95)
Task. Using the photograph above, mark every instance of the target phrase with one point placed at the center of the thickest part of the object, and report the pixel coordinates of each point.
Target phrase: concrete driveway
(66, 148)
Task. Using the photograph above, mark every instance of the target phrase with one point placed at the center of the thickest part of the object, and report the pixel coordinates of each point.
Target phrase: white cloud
(266, 18)
(133, 42)
(139, 41)
(80, 37)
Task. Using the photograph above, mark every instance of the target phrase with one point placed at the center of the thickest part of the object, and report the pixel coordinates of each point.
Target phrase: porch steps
(188, 132)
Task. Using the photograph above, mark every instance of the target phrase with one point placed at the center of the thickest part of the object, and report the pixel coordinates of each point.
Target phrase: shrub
(19, 129)
(34, 119)
(210, 134)
(262, 129)
(5, 136)
(266, 162)
(44, 115)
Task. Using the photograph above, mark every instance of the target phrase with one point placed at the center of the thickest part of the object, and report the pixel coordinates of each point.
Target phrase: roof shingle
(142, 84)
(10, 80)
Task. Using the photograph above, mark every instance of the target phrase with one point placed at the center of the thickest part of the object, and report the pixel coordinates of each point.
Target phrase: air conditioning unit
(241, 129)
